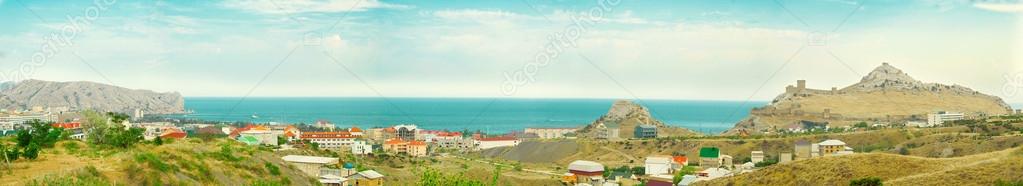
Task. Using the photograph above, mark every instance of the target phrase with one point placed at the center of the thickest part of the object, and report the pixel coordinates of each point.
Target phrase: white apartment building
(330, 140)
(361, 148)
(549, 133)
(658, 165)
(938, 119)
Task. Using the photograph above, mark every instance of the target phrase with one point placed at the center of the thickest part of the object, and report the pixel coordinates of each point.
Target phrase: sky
(693, 50)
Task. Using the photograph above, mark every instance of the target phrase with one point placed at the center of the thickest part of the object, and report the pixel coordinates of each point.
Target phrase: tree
(32, 151)
(638, 170)
(314, 146)
(24, 138)
(687, 170)
(868, 181)
(158, 141)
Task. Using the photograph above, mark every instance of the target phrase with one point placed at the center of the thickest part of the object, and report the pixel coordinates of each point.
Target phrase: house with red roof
(412, 148)
(291, 133)
(173, 132)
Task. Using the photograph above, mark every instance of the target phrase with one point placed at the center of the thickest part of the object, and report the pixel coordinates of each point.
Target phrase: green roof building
(710, 152)
(710, 157)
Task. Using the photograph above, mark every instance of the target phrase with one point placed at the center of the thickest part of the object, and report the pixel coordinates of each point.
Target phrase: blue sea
(484, 114)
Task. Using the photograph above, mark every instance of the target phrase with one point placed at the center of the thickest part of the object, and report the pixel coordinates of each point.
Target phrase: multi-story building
(22, 119)
(549, 133)
(361, 147)
(710, 157)
(494, 142)
(330, 140)
(803, 150)
(757, 156)
(645, 131)
(405, 132)
(411, 148)
(657, 165)
(834, 147)
(938, 119)
(607, 131)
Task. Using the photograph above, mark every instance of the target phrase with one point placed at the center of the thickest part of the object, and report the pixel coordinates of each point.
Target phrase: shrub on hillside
(868, 181)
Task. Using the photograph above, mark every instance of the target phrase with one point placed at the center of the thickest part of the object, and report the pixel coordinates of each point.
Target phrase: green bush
(153, 161)
(432, 177)
(273, 169)
(88, 176)
(868, 181)
(32, 151)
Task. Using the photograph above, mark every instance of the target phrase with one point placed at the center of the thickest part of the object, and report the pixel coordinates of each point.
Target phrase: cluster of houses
(397, 140)
(344, 175)
(660, 170)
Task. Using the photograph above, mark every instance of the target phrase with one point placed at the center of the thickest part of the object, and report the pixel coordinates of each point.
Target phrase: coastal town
(511, 93)
(408, 140)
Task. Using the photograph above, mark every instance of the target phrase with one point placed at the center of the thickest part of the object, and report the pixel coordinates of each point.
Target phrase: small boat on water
(254, 116)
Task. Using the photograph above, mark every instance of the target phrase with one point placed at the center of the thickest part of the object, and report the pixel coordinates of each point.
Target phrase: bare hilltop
(87, 95)
(625, 115)
(886, 95)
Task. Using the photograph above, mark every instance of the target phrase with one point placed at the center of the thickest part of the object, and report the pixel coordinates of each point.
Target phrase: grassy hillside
(980, 169)
(183, 162)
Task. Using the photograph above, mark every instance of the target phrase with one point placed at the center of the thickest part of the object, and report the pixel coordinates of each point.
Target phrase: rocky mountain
(87, 95)
(885, 95)
(626, 115)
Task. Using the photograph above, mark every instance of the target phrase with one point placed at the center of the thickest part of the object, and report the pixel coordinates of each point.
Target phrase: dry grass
(184, 162)
(980, 169)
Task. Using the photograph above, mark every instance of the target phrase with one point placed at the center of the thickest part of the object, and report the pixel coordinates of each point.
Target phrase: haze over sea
(486, 114)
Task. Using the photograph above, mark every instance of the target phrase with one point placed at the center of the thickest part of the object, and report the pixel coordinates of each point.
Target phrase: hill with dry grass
(980, 169)
(184, 162)
(886, 95)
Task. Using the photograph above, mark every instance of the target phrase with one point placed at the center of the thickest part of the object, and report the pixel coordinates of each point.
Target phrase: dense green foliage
(432, 177)
(687, 170)
(41, 135)
(88, 176)
(274, 170)
(868, 181)
(108, 130)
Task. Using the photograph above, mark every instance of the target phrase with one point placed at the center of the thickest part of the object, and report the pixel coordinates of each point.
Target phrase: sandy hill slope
(886, 95)
(87, 95)
(626, 115)
(182, 162)
(980, 169)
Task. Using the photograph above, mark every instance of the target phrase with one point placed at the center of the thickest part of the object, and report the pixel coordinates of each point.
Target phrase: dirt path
(623, 154)
(501, 164)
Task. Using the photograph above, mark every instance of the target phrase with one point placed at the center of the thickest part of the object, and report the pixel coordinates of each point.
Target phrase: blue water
(485, 114)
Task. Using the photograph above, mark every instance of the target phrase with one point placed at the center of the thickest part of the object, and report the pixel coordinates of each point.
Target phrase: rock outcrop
(885, 95)
(87, 95)
(626, 115)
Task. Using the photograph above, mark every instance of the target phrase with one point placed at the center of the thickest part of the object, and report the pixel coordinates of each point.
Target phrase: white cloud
(308, 6)
(1001, 7)
(462, 14)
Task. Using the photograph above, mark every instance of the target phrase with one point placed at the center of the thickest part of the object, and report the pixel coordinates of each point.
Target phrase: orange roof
(390, 130)
(173, 133)
(394, 141)
(354, 129)
(417, 143)
(260, 127)
(306, 135)
(680, 159)
(288, 133)
(290, 127)
(71, 125)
